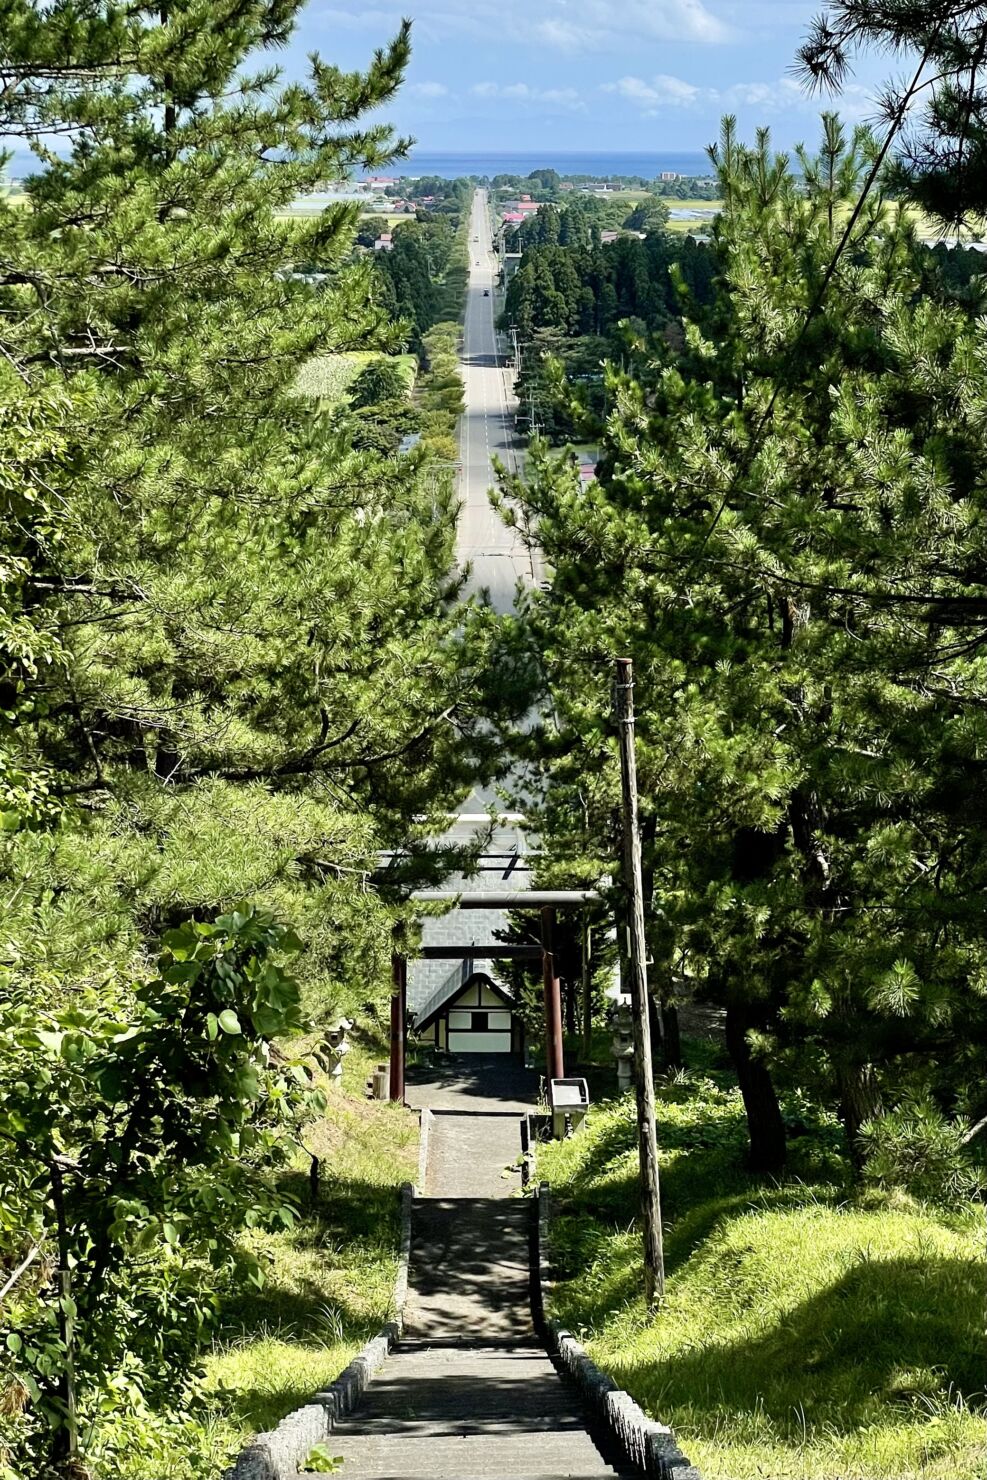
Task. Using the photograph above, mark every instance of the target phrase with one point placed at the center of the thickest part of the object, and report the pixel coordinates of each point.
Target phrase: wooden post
(65, 1443)
(644, 1084)
(554, 1062)
(586, 976)
(399, 998)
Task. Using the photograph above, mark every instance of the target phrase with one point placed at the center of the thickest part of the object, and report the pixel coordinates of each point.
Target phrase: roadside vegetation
(813, 1326)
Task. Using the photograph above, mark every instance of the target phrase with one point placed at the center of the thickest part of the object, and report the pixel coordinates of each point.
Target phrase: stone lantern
(335, 1048)
(623, 1046)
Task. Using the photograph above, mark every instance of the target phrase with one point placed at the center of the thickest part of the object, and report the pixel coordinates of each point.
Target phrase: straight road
(496, 554)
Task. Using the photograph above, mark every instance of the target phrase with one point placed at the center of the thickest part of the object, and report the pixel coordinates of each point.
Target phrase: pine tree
(222, 598)
(785, 536)
(935, 120)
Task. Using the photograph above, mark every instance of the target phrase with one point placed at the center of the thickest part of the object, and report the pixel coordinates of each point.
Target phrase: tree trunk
(765, 1126)
(672, 1043)
(570, 1005)
(656, 1021)
(860, 1101)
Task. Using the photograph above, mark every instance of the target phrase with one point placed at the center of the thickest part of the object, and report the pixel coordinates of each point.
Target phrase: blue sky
(587, 74)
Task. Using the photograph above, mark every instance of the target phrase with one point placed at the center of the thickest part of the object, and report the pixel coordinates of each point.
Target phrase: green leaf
(229, 1022)
(321, 1462)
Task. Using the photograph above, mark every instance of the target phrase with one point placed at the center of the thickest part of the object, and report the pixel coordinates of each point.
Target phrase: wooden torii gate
(545, 901)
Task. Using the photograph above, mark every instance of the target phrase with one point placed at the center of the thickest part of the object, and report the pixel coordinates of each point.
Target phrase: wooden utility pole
(65, 1441)
(399, 1009)
(554, 1060)
(644, 1082)
(586, 981)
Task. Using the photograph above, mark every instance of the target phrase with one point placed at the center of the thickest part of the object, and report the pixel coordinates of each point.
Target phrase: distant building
(669, 175)
(384, 243)
(608, 236)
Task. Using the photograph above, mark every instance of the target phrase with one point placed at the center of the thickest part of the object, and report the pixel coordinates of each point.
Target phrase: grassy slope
(330, 1280)
(806, 1333)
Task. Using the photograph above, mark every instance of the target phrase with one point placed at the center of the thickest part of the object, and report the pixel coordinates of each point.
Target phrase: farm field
(325, 377)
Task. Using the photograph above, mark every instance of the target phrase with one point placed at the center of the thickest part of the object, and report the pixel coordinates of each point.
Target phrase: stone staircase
(469, 1391)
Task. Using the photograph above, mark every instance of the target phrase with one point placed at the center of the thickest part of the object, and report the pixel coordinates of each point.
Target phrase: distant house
(384, 243)
(471, 1012)
(609, 236)
(511, 218)
(380, 181)
(669, 175)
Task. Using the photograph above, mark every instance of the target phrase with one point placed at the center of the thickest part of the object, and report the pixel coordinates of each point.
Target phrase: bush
(915, 1147)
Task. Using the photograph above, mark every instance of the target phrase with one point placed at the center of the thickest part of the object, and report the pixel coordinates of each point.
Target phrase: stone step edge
(279, 1453)
(648, 1446)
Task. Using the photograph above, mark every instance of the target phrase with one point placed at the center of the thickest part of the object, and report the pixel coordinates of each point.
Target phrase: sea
(598, 163)
(448, 164)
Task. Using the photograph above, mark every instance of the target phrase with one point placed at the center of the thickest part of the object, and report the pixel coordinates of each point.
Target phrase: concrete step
(469, 1272)
(433, 1458)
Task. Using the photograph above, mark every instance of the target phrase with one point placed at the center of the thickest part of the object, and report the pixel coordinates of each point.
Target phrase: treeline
(234, 679)
(424, 275)
(588, 291)
(548, 183)
(579, 222)
(568, 307)
(786, 536)
(447, 195)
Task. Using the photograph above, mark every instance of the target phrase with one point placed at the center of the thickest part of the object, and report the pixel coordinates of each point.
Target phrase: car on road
(486, 292)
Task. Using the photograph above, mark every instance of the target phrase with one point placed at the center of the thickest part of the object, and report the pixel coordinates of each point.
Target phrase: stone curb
(277, 1454)
(532, 1122)
(649, 1446)
(424, 1132)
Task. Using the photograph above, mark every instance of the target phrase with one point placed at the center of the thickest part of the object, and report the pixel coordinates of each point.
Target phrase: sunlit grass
(807, 1332)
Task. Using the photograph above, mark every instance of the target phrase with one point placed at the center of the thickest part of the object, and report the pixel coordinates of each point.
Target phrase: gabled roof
(460, 977)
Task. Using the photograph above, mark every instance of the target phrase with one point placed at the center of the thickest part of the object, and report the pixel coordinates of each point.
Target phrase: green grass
(329, 1284)
(325, 377)
(807, 1332)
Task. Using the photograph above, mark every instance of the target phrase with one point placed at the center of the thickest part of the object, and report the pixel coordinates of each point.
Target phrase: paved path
(496, 554)
(474, 1138)
(469, 1391)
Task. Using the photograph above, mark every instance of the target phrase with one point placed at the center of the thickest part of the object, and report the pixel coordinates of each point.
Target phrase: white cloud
(661, 92)
(563, 25)
(360, 18)
(785, 95)
(562, 98)
(428, 89)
